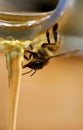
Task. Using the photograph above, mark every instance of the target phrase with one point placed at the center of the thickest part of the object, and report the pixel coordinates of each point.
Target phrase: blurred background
(52, 99)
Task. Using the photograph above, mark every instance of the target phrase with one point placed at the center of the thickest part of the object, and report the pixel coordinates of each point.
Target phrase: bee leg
(33, 72)
(31, 47)
(24, 66)
(55, 36)
(48, 37)
(27, 72)
(48, 40)
(49, 45)
(34, 54)
(55, 27)
(26, 57)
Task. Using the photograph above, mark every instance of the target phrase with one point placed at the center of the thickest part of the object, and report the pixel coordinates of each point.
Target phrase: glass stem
(14, 67)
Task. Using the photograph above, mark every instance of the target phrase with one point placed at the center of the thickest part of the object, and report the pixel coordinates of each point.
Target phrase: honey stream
(14, 51)
(14, 64)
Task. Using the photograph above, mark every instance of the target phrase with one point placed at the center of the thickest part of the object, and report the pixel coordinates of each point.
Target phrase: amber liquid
(14, 90)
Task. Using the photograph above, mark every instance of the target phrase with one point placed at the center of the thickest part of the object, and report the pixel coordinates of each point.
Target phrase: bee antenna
(70, 53)
(58, 55)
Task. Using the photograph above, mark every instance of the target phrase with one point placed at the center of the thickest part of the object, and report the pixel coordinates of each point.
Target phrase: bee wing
(70, 53)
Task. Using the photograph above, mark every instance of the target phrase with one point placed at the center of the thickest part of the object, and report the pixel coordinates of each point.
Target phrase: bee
(40, 53)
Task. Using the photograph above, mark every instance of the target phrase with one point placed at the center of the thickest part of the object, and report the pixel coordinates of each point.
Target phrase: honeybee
(40, 52)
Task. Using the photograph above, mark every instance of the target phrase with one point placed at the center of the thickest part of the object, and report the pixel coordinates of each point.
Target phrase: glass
(25, 21)
(21, 21)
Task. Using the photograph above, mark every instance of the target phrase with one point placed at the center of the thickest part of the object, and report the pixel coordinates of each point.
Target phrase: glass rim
(57, 12)
(31, 27)
(25, 13)
(59, 4)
